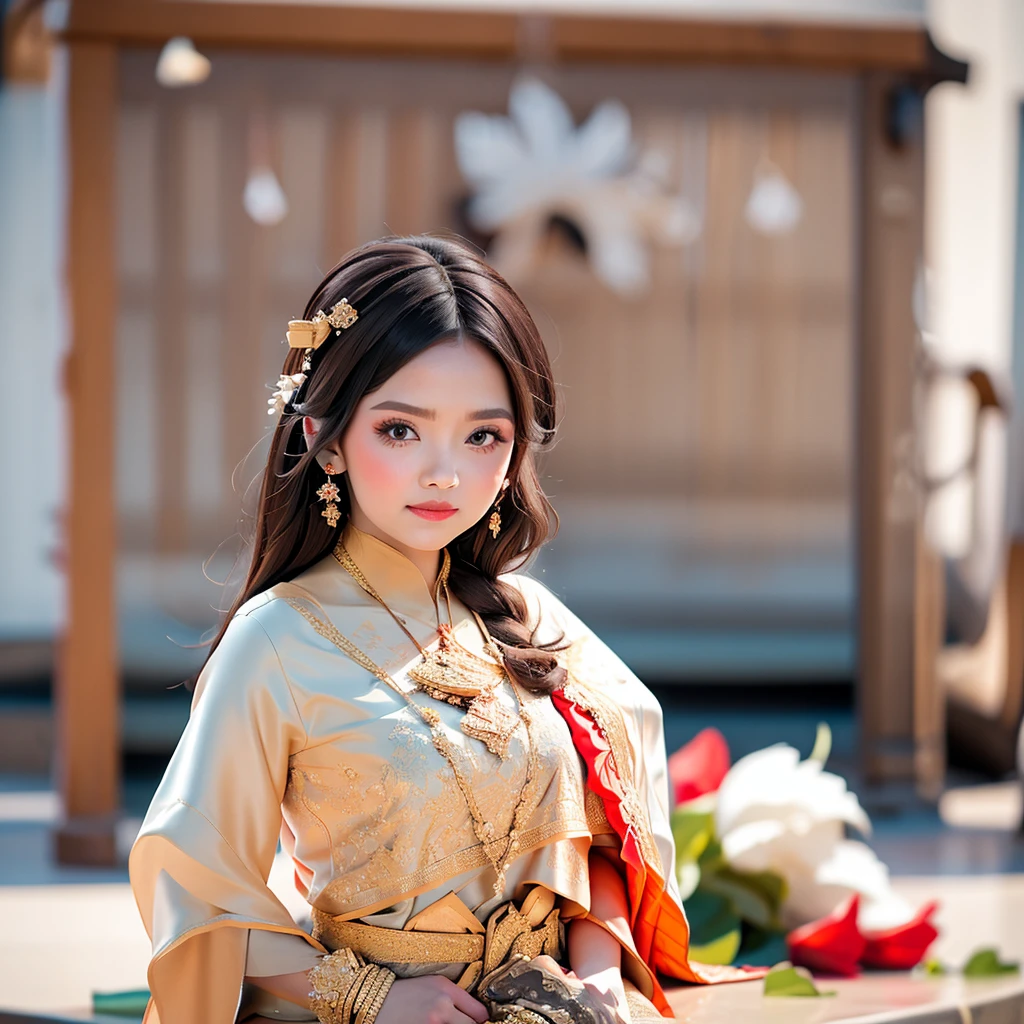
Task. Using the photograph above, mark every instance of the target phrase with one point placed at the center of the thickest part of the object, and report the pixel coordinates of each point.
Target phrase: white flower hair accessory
(309, 335)
(287, 385)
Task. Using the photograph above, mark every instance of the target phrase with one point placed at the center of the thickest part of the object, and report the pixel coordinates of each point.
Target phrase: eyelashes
(397, 433)
(388, 430)
(499, 438)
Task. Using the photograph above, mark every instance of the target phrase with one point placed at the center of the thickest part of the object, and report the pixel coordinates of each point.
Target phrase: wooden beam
(309, 28)
(87, 698)
(835, 47)
(503, 35)
(899, 586)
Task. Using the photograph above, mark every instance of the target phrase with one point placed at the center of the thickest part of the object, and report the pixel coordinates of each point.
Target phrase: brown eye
(396, 433)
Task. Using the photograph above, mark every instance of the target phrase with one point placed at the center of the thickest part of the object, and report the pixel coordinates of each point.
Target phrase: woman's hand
(432, 999)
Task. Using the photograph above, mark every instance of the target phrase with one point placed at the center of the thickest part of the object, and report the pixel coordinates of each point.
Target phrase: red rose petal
(903, 947)
(699, 766)
(832, 944)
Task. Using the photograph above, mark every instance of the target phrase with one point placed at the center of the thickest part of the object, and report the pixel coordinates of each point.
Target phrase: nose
(442, 474)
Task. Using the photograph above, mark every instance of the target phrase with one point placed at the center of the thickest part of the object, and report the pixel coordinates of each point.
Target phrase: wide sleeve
(200, 865)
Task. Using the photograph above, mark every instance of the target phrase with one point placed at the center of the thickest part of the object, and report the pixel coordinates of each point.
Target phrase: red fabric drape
(657, 923)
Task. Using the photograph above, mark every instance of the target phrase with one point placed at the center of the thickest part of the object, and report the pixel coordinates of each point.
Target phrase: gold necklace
(498, 851)
(452, 673)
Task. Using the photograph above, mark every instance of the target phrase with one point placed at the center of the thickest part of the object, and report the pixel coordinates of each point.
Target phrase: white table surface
(870, 999)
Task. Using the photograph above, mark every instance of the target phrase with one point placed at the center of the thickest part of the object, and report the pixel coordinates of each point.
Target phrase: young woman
(471, 786)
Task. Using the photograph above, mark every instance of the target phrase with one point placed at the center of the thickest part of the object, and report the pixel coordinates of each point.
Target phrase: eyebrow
(498, 412)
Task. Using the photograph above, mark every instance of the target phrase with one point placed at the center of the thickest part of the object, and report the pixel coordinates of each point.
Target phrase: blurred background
(775, 247)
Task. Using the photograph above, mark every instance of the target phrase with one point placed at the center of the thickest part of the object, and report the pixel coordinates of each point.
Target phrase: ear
(330, 454)
(310, 428)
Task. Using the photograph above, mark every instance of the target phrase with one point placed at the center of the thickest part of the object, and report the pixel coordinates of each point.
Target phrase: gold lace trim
(609, 718)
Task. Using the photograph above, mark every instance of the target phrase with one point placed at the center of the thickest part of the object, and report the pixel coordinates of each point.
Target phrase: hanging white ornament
(263, 198)
(181, 64)
(774, 206)
(536, 165)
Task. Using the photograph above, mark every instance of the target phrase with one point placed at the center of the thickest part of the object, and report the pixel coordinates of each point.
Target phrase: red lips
(433, 510)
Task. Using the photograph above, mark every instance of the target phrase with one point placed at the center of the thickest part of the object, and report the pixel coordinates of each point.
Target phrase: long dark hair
(410, 293)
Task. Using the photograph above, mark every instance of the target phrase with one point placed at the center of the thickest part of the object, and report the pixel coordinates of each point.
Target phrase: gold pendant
(488, 720)
(455, 671)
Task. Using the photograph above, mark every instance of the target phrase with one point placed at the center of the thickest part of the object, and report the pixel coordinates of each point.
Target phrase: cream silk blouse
(289, 738)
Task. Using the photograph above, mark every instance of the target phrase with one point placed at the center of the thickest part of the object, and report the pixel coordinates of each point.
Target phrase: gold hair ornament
(311, 334)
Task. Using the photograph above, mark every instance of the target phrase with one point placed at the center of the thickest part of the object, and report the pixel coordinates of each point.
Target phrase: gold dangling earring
(329, 492)
(494, 523)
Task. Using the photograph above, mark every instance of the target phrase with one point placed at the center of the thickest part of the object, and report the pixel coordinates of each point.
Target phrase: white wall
(972, 167)
(972, 156)
(31, 342)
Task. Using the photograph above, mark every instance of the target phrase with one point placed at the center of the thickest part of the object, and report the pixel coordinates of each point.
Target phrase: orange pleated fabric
(660, 932)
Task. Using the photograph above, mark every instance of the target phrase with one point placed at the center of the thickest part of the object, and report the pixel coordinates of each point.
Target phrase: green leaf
(761, 948)
(131, 1003)
(934, 968)
(711, 858)
(786, 980)
(692, 830)
(688, 877)
(722, 950)
(985, 963)
(755, 897)
(710, 916)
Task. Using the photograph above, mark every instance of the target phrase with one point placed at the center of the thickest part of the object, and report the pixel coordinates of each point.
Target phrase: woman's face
(426, 455)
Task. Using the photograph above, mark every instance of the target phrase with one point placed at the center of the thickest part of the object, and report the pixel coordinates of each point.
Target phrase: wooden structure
(875, 75)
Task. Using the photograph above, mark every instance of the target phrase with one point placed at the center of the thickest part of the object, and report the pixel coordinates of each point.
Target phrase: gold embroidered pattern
(356, 901)
(402, 828)
(394, 946)
(597, 819)
(609, 718)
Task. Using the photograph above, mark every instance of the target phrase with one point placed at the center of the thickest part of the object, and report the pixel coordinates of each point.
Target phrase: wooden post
(87, 699)
(901, 733)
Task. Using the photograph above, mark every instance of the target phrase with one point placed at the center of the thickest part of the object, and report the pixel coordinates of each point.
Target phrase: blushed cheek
(486, 479)
(371, 469)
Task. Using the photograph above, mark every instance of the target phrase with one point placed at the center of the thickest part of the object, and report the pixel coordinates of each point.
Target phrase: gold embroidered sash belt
(512, 933)
(392, 945)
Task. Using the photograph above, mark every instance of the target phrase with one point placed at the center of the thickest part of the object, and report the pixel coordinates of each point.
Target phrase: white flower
(774, 783)
(535, 164)
(777, 813)
(536, 156)
(287, 385)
